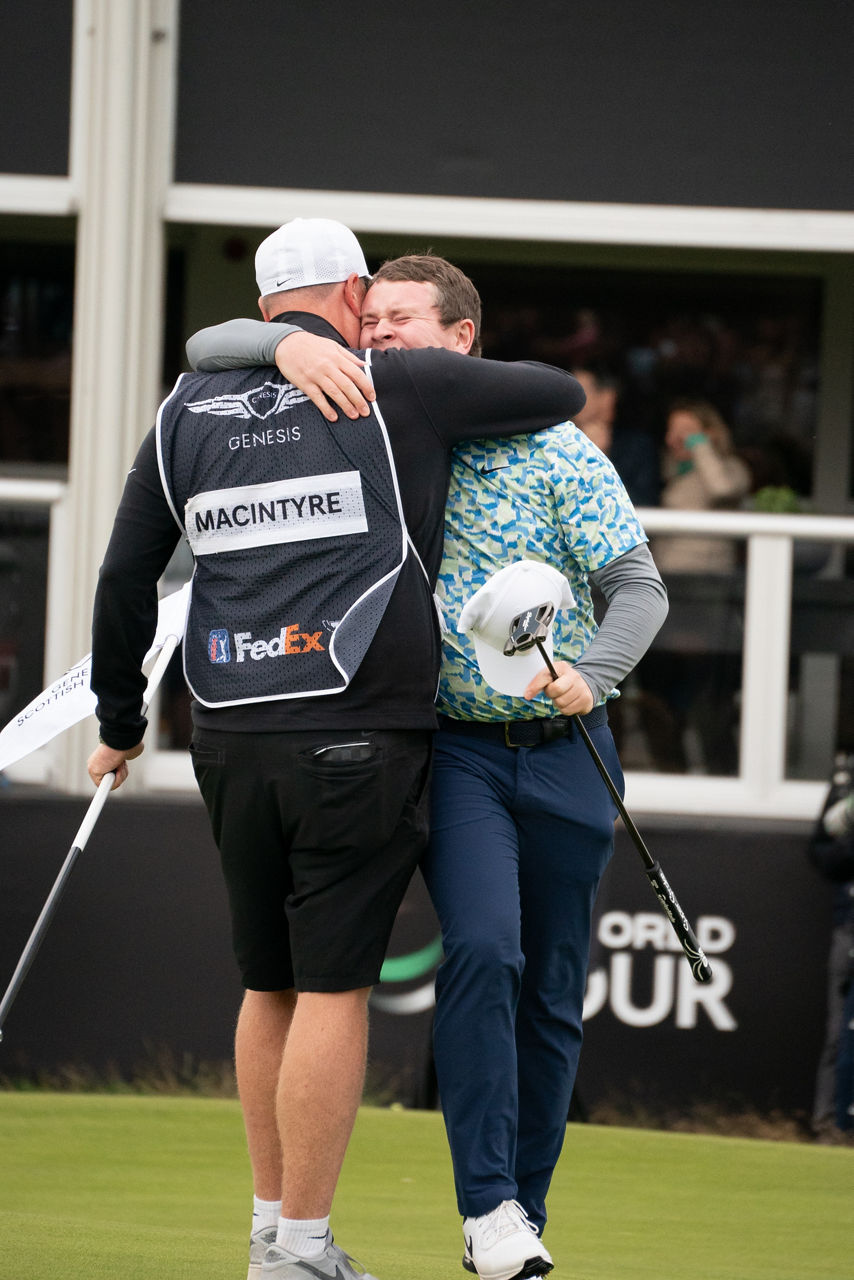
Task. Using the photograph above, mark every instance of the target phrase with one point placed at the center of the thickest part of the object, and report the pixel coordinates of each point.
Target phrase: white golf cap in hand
(487, 617)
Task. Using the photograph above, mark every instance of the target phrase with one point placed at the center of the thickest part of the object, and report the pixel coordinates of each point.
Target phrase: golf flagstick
(78, 845)
(531, 628)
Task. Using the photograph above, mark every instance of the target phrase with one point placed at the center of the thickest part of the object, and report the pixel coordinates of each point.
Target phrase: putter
(531, 628)
(78, 845)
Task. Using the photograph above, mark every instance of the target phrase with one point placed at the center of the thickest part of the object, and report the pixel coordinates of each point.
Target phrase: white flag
(69, 699)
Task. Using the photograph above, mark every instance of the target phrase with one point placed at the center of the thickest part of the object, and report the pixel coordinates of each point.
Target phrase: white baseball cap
(307, 251)
(488, 614)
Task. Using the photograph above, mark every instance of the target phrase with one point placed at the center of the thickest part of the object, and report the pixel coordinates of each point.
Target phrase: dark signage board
(656, 1042)
(35, 72)
(137, 966)
(732, 104)
(655, 1038)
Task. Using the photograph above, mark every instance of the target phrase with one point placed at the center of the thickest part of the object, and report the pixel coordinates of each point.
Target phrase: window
(36, 307)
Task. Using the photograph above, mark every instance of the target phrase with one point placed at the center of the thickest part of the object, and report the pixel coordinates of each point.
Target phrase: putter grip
(700, 966)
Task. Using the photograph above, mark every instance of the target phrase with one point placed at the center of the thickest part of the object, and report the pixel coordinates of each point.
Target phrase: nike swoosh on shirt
(485, 471)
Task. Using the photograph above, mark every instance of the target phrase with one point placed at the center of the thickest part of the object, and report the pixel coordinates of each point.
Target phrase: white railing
(761, 789)
(739, 524)
(31, 493)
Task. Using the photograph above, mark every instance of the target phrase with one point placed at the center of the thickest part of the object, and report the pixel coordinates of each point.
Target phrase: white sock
(265, 1213)
(306, 1237)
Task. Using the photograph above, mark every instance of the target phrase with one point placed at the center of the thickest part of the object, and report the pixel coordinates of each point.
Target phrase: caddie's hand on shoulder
(104, 760)
(325, 371)
(570, 693)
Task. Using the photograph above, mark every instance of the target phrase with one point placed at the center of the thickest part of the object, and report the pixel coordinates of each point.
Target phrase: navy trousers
(519, 840)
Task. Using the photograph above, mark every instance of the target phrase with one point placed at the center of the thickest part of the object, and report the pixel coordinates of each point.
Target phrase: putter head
(529, 627)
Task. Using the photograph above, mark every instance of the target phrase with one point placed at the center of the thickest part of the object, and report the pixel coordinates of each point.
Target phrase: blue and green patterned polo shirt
(553, 497)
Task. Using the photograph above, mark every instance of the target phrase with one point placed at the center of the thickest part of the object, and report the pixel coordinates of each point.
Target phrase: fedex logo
(289, 640)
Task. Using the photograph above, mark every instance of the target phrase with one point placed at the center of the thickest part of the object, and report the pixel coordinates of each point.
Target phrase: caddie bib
(296, 529)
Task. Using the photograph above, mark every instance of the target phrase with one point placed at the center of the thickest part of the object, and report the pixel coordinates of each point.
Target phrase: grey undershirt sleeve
(236, 344)
(637, 606)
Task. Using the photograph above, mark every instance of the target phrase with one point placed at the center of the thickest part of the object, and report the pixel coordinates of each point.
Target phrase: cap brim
(510, 675)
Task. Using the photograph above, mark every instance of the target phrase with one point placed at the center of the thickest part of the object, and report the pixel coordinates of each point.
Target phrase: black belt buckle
(533, 733)
(557, 727)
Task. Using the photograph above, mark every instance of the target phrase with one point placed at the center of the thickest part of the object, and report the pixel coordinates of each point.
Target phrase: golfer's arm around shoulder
(327, 372)
(235, 344)
(464, 397)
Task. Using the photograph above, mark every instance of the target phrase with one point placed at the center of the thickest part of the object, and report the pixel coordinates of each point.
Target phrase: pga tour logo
(289, 640)
(219, 648)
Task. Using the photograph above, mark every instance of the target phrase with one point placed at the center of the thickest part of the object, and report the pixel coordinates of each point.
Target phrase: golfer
(312, 653)
(522, 825)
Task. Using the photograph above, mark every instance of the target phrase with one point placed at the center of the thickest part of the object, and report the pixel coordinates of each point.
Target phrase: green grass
(146, 1188)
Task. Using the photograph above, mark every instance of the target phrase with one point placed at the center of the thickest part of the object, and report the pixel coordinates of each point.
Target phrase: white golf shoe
(505, 1245)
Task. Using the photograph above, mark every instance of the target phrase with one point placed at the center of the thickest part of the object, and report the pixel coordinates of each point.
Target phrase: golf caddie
(311, 652)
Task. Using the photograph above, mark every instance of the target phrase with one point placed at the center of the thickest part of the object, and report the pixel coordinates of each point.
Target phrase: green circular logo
(414, 964)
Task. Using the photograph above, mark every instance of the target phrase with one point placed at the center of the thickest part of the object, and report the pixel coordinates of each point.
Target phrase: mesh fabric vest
(296, 529)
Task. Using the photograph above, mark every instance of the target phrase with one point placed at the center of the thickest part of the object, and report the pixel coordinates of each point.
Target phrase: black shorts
(318, 841)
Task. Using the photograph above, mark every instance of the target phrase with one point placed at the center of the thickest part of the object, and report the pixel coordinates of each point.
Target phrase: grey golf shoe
(259, 1243)
(333, 1264)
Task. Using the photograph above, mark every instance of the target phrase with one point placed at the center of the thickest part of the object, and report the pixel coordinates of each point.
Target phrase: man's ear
(465, 336)
(262, 307)
(354, 293)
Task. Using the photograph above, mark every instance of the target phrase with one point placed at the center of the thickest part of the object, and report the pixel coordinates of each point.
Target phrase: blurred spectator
(632, 452)
(690, 678)
(747, 345)
(701, 472)
(831, 852)
(776, 389)
(579, 342)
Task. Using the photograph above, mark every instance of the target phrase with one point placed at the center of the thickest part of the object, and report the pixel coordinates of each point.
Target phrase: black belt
(523, 733)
